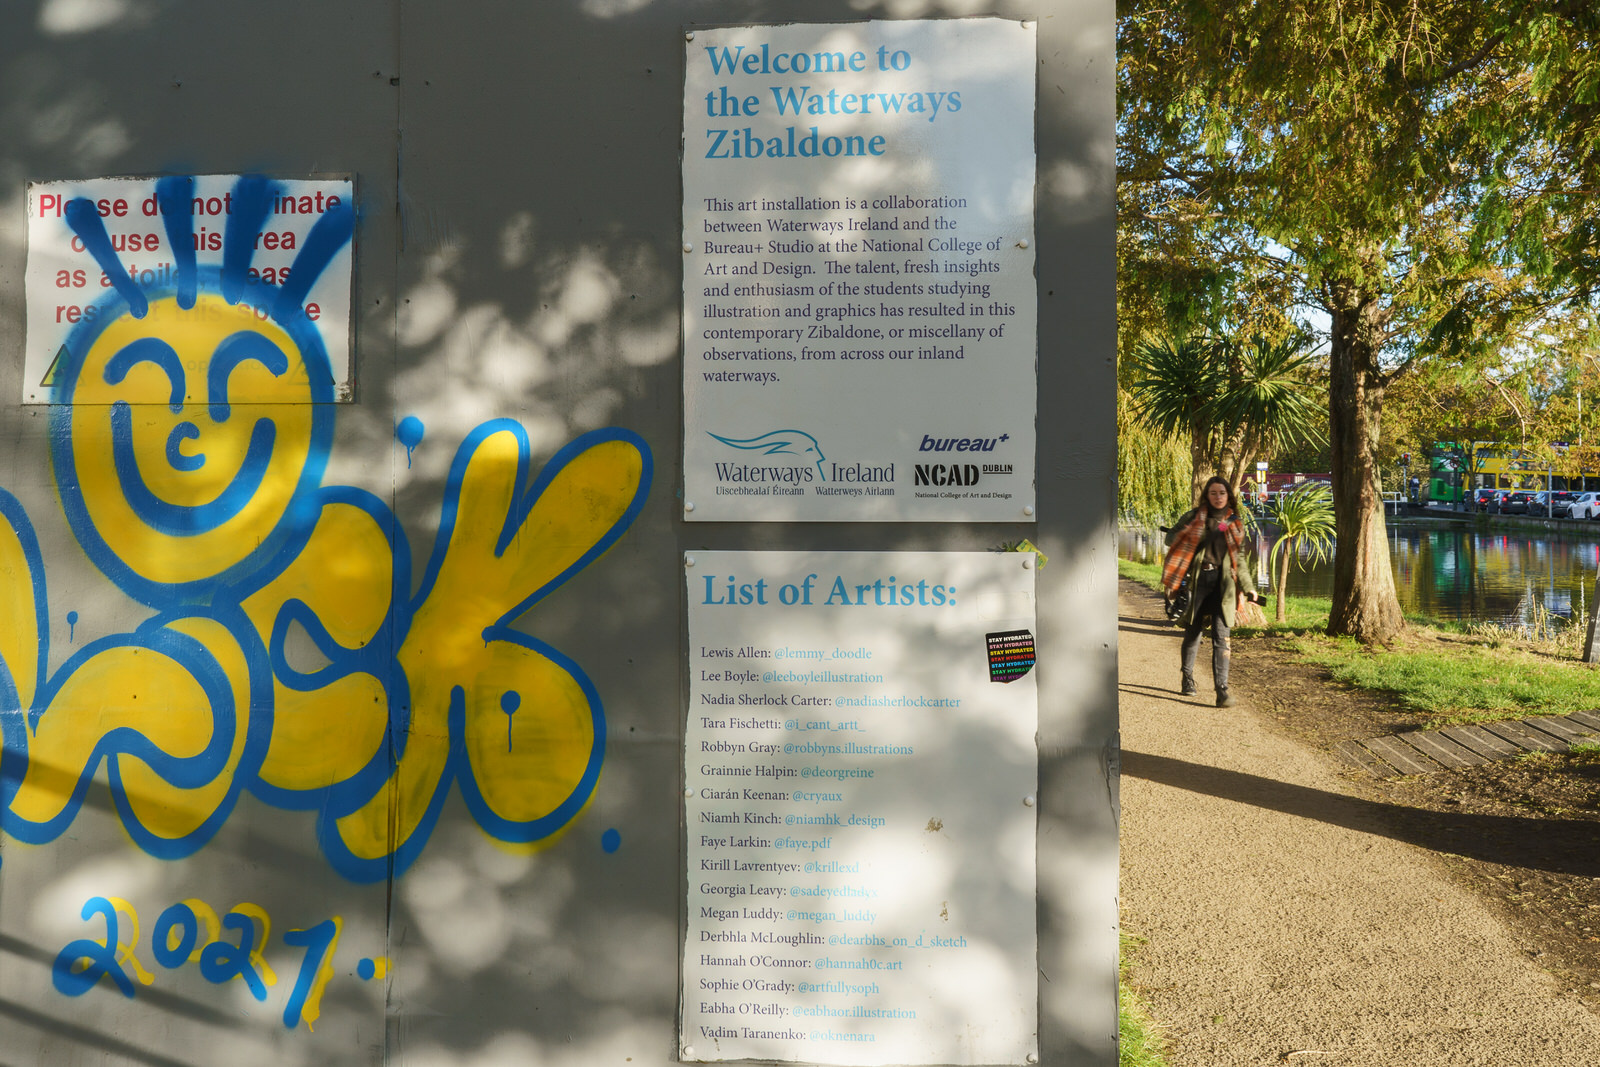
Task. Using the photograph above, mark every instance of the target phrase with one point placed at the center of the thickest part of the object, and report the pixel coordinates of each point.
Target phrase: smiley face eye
(233, 351)
(149, 350)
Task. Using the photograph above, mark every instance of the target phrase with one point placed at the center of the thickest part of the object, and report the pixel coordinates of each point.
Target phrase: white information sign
(108, 247)
(859, 301)
(860, 768)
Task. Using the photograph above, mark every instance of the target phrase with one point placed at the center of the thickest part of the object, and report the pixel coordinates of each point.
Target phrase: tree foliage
(1152, 470)
(1423, 174)
(1230, 402)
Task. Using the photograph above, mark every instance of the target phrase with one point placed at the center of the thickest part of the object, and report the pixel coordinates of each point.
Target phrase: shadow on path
(1134, 625)
(1167, 694)
(1539, 844)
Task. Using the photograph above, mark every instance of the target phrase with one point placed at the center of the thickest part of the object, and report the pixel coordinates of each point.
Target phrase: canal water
(1511, 576)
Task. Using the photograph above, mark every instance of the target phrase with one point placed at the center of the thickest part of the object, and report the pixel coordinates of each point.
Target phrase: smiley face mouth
(181, 519)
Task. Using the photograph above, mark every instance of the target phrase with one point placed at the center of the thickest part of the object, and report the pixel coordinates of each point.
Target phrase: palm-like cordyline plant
(1231, 402)
(1175, 382)
(1305, 524)
(1265, 405)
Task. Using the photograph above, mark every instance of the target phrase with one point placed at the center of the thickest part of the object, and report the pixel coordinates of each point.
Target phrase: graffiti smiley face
(187, 437)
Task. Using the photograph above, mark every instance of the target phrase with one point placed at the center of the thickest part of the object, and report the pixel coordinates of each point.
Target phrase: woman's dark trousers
(1208, 592)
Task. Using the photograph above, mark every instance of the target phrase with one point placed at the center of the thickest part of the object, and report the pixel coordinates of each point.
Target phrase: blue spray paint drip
(611, 840)
(509, 703)
(84, 218)
(252, 203)
(72, 625)
(409, 433)
(329, 234)
(175, 194)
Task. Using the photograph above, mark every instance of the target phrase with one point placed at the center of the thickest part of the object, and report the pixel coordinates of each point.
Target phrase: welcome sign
(859, 304)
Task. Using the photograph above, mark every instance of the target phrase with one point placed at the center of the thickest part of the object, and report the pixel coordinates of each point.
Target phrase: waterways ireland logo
(796, 443)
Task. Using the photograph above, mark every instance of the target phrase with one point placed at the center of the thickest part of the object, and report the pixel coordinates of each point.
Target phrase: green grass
(1460, 682)
(1140, 1041)
(1585, 754)
(1451, 673)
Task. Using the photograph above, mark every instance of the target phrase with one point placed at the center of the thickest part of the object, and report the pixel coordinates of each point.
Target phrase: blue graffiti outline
(378, 658)
(252, 197)
(180, 772)
(458, 768)
(219, 598)
(101, 959)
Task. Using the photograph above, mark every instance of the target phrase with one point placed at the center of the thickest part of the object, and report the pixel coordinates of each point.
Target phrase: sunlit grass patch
(1140, 1039)
(1459, 682)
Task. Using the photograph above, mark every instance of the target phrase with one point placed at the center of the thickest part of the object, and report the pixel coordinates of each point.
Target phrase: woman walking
(1205, 545)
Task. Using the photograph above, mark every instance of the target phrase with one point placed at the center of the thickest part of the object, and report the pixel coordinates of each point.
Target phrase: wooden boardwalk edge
(1460, 747)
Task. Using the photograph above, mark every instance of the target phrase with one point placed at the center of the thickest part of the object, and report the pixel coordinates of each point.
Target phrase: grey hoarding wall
(390, 772)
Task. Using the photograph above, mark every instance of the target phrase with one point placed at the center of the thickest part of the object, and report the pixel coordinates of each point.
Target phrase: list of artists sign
(859, 302)
(860, 766)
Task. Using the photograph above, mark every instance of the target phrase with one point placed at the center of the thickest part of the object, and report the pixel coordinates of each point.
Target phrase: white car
(1585, 506)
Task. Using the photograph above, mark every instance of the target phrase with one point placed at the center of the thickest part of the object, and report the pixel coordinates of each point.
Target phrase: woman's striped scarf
(1187, 543)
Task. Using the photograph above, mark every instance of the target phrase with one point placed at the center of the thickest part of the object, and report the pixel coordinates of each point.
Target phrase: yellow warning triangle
(50, 375)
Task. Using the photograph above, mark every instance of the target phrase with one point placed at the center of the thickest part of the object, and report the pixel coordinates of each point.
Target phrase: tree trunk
(1245, 471)
(1229, 459)
(1364, 601)
(1200, 464)
(1283, 579)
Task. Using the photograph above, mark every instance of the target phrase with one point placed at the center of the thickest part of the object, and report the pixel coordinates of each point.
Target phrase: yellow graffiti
(124, 953)
(344, 575)
(140, 690)
(446, 647)
(20, 640)
(208, 916)
(291, 653)
(164, 395)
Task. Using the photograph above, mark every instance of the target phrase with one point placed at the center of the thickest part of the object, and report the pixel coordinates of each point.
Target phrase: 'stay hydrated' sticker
(1010, 655)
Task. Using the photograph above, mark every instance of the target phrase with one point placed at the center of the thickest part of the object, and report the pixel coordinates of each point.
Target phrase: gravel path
(1283, 924)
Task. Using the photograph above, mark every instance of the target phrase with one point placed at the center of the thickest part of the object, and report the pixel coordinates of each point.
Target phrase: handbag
(1178, 603)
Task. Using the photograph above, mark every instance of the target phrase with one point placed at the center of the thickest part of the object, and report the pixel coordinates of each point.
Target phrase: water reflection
(1509, 577)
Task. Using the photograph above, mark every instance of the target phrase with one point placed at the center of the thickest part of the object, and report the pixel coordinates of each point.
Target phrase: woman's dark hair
(1205, 502)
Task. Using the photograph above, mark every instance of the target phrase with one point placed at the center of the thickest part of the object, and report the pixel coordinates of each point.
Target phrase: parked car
(1517, 502)
(1479, 501)
(1585, 506)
